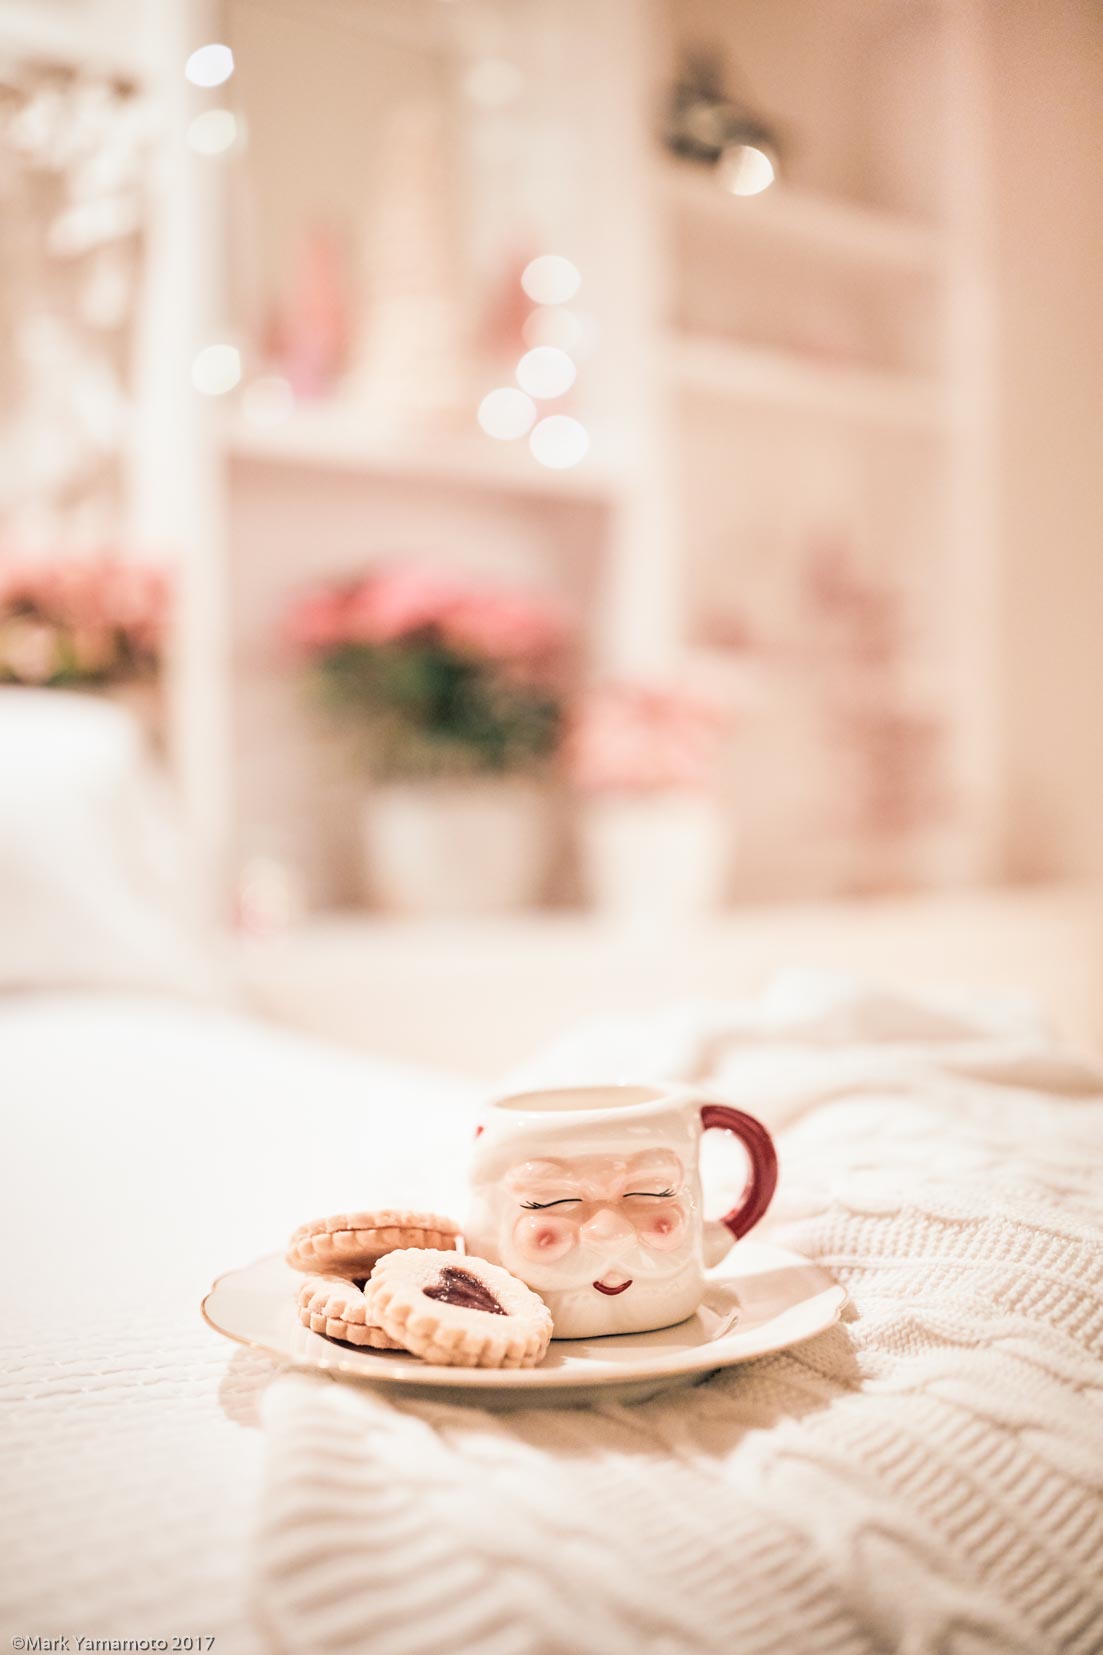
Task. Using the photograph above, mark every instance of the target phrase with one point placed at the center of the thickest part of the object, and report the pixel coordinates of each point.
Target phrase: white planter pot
(654, 859)
(143, 704)
(478, 847)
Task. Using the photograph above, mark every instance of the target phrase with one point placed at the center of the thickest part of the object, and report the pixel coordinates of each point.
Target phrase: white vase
(655, 858)
(143, 703)
(455, 848)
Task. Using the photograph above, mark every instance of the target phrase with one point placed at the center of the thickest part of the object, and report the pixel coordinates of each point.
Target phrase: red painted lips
(612, 1291)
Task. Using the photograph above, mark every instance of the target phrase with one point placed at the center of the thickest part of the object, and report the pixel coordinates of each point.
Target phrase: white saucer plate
(761, 1299)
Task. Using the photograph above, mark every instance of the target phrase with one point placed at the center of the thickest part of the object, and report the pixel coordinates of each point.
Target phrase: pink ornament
(313, 331)
(636, 738)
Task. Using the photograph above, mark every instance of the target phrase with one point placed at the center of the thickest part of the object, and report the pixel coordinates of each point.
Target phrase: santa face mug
(592, 1195)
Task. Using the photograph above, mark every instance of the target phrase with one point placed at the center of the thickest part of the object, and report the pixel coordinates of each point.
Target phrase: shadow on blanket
(249, 1374)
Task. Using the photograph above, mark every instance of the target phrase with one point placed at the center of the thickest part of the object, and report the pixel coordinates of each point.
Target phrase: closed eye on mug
(656, 1195)
(541, 1206)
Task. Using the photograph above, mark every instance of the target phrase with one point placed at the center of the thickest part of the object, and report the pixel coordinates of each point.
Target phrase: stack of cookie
(396, 1280)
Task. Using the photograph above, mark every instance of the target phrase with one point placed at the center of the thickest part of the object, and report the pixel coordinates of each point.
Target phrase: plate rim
(435, 1376)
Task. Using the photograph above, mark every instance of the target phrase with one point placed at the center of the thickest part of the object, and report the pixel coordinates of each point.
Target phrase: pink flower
(106, 613)
(20, 582)
(93, 648)
(635, 738)
(401, 601)
(318, 620)
(507, 626)
(28, 651)
(135, 598)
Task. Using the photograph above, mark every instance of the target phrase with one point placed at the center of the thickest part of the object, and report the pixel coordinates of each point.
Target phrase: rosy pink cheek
(664, 1230)
(543, 1238)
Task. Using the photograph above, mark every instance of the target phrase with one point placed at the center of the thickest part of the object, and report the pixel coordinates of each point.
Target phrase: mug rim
(656, 1097)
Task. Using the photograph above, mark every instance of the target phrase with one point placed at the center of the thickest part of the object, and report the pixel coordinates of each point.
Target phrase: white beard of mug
(592, 1196)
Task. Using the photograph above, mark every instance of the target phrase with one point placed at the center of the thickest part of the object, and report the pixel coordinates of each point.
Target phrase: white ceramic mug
(592, 1195)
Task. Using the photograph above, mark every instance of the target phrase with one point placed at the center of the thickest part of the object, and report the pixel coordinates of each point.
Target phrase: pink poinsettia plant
(638, 739)
(442, 675)
(82, 621)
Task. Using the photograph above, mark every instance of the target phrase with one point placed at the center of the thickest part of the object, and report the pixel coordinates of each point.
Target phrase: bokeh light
(506, 413)
(216, 369)
(209, 65)
(552, 325)
(545, 372)
(559, 441)
(745, 170)
(213, 132)
(550, 280)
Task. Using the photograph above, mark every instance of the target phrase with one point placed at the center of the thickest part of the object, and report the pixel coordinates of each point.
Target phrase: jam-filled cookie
(351, 1244)
(458, 1310)
(336, 1307)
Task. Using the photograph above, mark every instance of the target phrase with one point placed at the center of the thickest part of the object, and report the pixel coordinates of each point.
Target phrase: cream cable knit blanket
(926, 1477)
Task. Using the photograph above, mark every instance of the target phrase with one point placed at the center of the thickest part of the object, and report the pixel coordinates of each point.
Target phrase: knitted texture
(924, 1477)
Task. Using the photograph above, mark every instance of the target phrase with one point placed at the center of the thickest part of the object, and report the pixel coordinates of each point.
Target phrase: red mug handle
(762, 1156)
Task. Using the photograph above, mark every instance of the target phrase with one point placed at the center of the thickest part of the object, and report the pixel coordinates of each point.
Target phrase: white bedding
(926, 1478)
(148, 1147)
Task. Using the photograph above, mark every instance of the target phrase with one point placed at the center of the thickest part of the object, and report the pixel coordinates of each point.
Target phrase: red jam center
(462, 1288)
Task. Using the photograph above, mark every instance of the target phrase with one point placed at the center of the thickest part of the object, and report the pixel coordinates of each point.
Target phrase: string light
(506, 413)
(209, 65)
(550, 280)
(574, 331)
(559, 442)
(546, 372)
(213, 132)
(216, 370)
(745, 170)
(552, 325)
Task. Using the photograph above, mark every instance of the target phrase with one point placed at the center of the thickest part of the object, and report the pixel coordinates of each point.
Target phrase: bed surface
(927, 1476)
(149, 1146)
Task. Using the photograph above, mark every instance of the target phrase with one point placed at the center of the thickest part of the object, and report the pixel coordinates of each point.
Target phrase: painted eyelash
(572, 1200)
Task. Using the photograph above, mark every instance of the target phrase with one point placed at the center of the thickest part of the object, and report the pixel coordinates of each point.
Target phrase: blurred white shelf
(71, 39)
(755, 374)
(482, 996)
(417, 28)
(337, 438)
(844, 231)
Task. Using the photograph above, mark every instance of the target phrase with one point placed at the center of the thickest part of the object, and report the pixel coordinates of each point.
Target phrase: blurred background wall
(1047, 81)
(602, 497)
